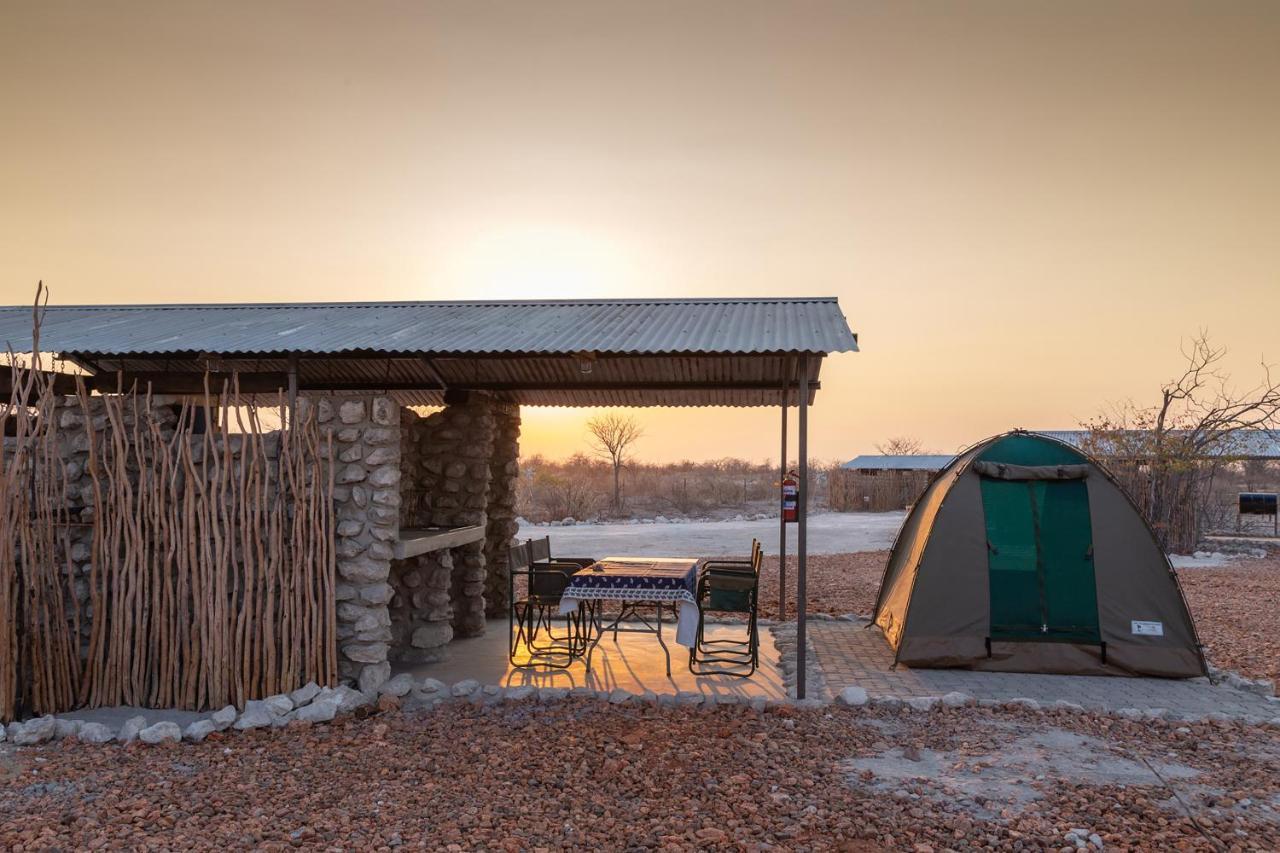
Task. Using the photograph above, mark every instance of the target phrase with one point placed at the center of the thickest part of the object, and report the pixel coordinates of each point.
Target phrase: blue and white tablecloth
(664, 580)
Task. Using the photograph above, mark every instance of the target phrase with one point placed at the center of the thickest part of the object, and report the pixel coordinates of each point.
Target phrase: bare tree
(900, 445)
(611, 439)
(1167, 455)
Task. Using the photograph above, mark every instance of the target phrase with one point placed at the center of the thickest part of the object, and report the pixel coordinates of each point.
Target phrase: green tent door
(1040, 560)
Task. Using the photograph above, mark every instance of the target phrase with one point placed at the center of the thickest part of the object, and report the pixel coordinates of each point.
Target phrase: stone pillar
(421, 613)
(458, 458)
(366, 446)
(504, 472)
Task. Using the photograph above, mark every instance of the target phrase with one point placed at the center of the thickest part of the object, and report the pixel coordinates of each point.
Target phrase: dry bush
(581, 487)
(1169, 455)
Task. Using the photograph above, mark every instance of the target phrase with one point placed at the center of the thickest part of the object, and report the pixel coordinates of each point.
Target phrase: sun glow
(543, 262)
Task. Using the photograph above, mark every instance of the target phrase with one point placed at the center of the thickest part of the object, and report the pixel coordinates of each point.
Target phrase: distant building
(881, 482)
(870, 463)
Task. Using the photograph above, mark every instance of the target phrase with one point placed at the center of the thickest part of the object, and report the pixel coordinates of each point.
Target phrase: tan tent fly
(1024, 555)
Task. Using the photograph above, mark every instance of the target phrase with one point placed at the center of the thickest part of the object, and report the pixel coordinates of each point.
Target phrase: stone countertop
(419, 540)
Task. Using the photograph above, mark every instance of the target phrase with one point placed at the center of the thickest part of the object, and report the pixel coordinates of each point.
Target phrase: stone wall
(392, 469)
(366, 446)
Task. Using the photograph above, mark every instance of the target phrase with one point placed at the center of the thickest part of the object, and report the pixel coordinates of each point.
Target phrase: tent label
(1146, 629)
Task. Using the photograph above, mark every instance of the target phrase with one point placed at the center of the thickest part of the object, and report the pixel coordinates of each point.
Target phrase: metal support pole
(782, 521)
(803, 528)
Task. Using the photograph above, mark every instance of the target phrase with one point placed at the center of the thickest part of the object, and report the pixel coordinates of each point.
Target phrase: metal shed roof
(638, 326)
(1243, 444)
(624, 352)
(905, 462)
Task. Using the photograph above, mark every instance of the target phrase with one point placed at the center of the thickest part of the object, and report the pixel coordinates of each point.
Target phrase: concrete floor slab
(853, 654)
(634, 662)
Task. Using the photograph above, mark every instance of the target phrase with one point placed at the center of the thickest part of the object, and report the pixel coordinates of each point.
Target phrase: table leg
(663, 642)
(600, 635)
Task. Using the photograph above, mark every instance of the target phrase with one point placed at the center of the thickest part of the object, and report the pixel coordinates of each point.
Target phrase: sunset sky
(1022, 206)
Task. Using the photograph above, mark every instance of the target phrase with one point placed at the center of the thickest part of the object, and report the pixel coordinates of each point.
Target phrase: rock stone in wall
(385, 412)
(373, 677)
(377, 593)
(352, 411)
(432, 634)
(381, 435)
(364, 569)
(368, 653)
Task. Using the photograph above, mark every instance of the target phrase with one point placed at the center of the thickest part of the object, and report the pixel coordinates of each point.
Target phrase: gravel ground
(1237, 611)
(586, 775)
(836, 584)
(1236, 607)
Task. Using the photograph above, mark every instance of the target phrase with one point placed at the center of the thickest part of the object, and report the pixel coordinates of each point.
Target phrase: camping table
(656, 582)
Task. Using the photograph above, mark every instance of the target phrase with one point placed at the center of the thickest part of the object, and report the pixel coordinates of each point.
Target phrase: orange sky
(1022, 206)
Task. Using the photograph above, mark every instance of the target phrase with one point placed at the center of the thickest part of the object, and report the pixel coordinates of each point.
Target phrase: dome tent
(1024, 555)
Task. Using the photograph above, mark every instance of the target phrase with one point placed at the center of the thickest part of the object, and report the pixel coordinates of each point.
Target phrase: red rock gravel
(837, 583)
(586, 775)
(1236, 607)
(1237, 612)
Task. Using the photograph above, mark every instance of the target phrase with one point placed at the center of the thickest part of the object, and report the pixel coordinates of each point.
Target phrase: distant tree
(902, 445)
(611, 438)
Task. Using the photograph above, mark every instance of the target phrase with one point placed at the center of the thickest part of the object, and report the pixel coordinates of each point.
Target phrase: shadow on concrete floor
(634, 662)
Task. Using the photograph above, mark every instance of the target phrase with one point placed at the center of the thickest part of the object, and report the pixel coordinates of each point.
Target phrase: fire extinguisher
(790, 498)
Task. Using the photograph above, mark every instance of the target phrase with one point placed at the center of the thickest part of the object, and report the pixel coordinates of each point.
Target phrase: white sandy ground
(829, 533)
(1034, 759)
(1201, 560)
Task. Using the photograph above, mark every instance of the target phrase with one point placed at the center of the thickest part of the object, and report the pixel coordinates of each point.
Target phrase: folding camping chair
(728, 586)
(540, 555)
(530, 619)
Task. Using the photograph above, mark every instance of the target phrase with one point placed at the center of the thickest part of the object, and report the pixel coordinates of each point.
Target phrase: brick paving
(853, 653)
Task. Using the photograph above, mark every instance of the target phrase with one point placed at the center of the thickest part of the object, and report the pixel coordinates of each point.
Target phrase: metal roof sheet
(614, 380)
(620, 326)
(1245, 443)
(906, 462)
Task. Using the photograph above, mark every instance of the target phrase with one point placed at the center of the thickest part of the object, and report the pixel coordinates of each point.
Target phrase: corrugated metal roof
(906, 462)
(622, 326)
(1245, 443)
(614, 380)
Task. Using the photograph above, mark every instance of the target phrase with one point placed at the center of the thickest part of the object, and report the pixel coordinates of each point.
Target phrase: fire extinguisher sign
(790, 498)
